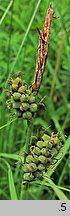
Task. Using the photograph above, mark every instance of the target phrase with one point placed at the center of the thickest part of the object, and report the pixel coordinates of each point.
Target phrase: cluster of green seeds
(41, 157)
(23, 100)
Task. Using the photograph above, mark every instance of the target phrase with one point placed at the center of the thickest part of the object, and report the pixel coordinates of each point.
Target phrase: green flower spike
(42, 157)
(21, 93)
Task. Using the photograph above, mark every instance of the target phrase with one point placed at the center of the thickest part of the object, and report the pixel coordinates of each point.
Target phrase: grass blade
(7, 124)
(12, 188)
(6, 11)
(26, 33)
(11, 185)
(58, 192)
(12, 156)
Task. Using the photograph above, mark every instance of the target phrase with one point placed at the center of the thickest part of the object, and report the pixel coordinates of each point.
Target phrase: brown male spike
(44, 37)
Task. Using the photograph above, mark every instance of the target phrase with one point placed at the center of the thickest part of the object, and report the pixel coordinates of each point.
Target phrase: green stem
(28, 138)
(24, 192)
(24, 188)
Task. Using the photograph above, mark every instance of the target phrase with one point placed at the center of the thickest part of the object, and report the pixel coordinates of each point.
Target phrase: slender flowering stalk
(44, 37)
(28, 138)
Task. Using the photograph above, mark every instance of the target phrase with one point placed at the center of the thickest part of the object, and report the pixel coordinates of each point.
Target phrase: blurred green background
(18, 53)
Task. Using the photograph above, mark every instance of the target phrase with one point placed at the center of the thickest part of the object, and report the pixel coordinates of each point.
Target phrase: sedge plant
(41, 156)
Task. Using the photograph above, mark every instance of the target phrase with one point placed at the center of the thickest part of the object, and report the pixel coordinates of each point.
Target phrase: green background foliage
(18, 53)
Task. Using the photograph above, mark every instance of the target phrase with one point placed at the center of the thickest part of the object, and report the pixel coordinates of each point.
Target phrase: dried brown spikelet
(44, 37)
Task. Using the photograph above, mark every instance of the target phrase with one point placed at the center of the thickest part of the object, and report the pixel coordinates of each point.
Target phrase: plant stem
(24, 192)
(28, 138)
(57, 63)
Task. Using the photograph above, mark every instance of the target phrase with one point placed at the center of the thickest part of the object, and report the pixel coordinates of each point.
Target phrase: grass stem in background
(6, 11)
(57, 63)
(24, 38)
